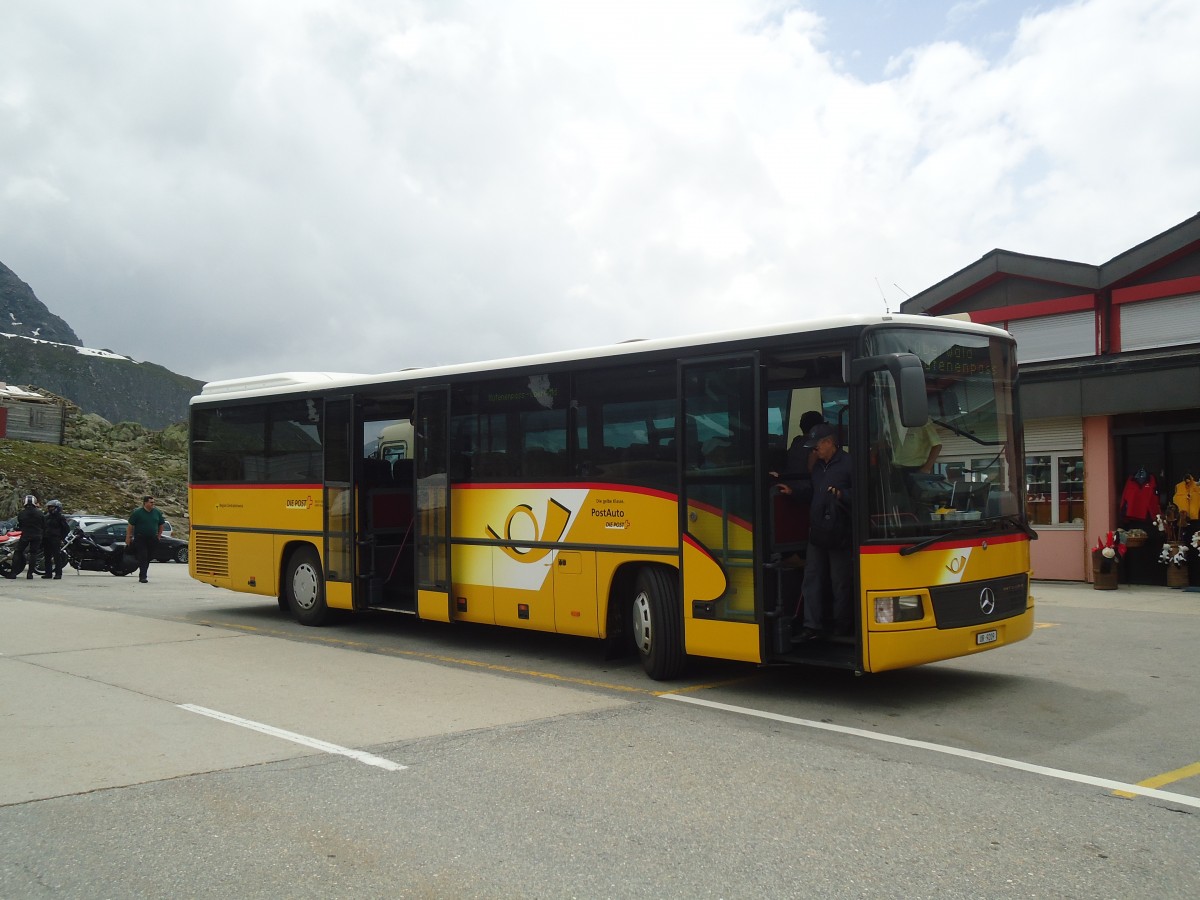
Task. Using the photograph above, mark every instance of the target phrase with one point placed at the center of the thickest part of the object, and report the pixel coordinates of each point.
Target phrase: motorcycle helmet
(54, 504)
(30, 500)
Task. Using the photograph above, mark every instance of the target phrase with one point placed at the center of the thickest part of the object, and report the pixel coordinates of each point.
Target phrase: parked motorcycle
(32, 557)
(83, 554)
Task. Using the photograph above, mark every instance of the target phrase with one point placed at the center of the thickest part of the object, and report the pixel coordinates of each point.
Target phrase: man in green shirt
(142, 534)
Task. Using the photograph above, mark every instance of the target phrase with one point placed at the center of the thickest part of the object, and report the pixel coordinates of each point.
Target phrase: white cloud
(232, 188)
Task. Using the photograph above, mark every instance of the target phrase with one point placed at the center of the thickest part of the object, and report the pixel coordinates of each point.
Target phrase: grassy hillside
(103, 469)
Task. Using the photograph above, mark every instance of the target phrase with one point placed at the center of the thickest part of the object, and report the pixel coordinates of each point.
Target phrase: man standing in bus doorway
(828, 583)
(142, 533)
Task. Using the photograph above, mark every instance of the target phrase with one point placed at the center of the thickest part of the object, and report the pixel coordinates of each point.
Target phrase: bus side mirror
(909, 376)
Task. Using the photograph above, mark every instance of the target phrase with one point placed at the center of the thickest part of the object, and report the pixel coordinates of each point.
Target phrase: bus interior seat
(376, 472)
(777, 458)
(389, 510)
(789, 522)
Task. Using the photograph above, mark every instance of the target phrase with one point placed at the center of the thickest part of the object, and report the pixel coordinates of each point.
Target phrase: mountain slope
(39, 349)
(21, 312)
(109, 385)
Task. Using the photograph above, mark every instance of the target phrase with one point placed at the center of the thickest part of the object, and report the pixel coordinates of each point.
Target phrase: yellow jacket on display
(1187, 497)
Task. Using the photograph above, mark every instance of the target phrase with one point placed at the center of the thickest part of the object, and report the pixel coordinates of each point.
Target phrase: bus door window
(387, 507)
(793, 409)
(719, 474)
(339, 493)
(433, 491)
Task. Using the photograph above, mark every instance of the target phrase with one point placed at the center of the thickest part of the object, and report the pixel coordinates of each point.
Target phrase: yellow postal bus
(627, 493)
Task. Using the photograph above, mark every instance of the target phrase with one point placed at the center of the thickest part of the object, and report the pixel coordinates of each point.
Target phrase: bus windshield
(959, 470)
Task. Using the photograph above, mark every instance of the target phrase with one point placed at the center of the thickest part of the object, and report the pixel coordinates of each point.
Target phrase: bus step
(405, 611)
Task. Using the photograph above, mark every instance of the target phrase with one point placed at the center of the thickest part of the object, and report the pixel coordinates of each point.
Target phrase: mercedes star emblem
(987, 601)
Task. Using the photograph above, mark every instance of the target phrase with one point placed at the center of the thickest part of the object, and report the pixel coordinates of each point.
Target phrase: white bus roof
(287, 382)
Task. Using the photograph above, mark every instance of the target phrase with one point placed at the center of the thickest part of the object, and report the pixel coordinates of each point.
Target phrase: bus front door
(431, 437)
(718, 506)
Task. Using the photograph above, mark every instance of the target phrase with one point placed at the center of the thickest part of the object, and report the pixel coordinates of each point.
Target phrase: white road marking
(1062, 774)
(314, 743)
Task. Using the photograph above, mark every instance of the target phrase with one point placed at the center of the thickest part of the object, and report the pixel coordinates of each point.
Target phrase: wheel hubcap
(304, 586)
(641, 622)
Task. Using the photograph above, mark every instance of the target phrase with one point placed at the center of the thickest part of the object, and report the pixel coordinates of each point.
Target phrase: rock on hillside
(102, 469)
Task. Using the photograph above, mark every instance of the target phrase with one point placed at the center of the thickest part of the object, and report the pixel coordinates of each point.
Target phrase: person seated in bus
(800, 457)
(800, 460)
(919, 449)
(828, 583)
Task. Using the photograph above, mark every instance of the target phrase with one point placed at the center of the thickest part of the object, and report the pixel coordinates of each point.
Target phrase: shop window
(1054, 489)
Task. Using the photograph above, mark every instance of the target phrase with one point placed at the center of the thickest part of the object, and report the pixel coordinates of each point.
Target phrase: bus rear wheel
(658, 623)
(305, 587)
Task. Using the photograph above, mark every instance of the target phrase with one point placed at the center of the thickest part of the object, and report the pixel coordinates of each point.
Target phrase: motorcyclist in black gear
(32, 522)
(55, 532)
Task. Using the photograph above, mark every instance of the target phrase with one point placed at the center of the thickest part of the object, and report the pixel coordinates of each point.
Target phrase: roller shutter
(1055, 337)
(1160, 323)
(1053, 435)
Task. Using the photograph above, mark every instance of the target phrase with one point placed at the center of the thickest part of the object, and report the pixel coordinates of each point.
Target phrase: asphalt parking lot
(175, 738)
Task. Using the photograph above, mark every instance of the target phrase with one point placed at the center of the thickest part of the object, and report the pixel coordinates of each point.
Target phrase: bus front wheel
(305, 586)
(658, 623)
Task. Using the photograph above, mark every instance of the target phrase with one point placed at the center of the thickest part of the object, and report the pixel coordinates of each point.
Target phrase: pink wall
(1059, 554)
(1064, 554)
(1099, 466)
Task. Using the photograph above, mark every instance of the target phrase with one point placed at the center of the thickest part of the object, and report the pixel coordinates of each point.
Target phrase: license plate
(986, 637)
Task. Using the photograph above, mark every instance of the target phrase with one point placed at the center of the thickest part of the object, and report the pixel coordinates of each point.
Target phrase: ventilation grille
(212, 554)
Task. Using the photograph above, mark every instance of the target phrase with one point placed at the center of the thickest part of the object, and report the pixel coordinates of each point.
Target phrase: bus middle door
(431, 438)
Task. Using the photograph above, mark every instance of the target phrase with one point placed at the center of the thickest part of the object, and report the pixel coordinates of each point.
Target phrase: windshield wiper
(1016, 520)
(969, 528)
(968, 435)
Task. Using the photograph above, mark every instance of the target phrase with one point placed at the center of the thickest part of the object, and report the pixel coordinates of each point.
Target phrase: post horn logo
(557, 517)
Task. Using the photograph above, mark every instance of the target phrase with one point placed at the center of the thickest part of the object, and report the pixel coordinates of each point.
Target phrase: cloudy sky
(244, 186)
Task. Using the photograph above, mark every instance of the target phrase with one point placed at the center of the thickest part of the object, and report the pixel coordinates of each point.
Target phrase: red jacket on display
(1140, 501)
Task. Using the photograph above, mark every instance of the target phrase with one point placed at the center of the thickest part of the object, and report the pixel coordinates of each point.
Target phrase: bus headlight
(907, 608)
